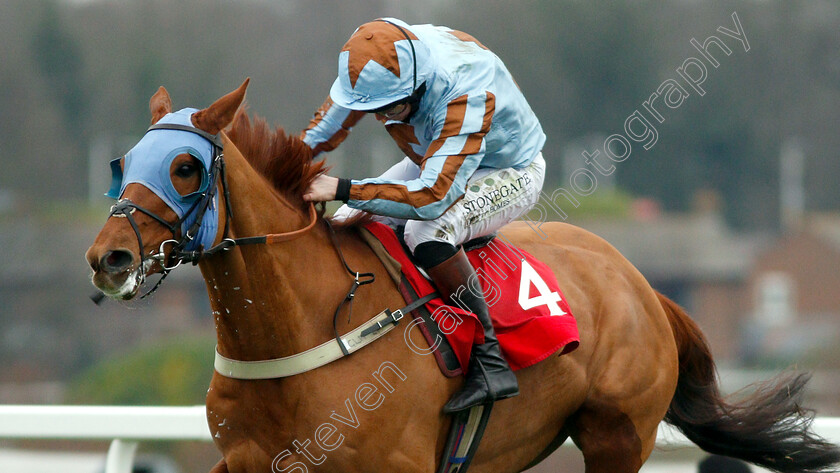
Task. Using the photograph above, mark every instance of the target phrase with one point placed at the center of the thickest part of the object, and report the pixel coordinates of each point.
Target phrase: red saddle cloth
(530, 314)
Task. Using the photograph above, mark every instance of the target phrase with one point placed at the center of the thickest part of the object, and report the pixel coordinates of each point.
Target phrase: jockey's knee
(418, 232)
(431, 253)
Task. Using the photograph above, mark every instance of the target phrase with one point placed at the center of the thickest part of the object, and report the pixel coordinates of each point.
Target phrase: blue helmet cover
(148, 162)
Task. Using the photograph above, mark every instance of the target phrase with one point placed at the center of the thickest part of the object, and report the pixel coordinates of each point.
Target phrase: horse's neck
(264, 296)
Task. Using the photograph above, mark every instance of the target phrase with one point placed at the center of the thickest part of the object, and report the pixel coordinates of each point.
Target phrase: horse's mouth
(124, 285)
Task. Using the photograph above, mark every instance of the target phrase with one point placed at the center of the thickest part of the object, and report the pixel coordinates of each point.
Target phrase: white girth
(316, 357)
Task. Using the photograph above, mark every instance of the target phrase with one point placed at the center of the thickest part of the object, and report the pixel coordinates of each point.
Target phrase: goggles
(393, 109)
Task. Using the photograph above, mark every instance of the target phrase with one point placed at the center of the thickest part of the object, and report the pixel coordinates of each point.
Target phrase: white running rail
(126, 426)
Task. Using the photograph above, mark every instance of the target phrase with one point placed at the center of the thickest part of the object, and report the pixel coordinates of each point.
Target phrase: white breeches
(494, 198)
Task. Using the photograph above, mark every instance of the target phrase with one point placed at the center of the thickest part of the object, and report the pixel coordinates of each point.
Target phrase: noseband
(178, 254)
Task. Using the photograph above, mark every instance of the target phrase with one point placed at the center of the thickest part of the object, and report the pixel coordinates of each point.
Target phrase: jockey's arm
(451, 159)
(329, 127)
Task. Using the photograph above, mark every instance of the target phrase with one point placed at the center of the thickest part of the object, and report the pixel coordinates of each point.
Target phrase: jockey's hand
(321, 189)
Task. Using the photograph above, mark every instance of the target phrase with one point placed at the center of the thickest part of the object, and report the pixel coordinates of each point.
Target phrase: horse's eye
(186, 170)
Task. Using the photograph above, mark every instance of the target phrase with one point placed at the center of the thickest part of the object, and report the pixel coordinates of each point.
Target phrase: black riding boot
(489, 377)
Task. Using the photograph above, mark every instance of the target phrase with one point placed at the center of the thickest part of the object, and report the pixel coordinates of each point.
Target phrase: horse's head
(167, 186)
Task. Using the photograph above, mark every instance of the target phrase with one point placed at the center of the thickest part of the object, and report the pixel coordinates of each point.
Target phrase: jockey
(473, 160)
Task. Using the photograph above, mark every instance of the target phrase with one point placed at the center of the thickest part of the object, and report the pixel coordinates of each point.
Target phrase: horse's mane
(285, 160)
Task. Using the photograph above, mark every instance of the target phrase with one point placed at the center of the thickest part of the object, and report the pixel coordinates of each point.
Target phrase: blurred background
(733, 209)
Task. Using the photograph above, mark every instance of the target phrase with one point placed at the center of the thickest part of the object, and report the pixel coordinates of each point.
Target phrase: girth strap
(323, 354)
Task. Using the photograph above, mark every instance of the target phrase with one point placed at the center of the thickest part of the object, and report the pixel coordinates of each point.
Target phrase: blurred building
(765, 301)
(695, 260)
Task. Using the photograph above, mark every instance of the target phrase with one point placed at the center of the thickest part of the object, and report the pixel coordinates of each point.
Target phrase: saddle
(530, 327)
(530, 314)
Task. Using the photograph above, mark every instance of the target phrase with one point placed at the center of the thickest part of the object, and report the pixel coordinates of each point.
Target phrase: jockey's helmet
(383, 62)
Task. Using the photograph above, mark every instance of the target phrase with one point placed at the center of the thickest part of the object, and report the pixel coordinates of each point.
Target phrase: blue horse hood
(148, 162)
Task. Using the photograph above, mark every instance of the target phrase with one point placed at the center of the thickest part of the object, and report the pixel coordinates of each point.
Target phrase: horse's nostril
(115, 261)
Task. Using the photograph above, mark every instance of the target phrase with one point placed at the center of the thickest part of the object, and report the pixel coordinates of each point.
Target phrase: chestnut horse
(641, 358)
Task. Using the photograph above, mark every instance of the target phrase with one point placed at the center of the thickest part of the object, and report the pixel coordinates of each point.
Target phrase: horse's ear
(160, 104)
(219, 115)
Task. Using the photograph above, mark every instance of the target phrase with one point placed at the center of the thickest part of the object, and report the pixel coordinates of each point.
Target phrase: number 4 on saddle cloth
(531, 317)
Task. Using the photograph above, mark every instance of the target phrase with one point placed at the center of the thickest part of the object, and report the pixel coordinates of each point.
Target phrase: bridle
(178, 254)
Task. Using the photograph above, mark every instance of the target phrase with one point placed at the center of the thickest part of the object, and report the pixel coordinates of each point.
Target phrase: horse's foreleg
(220, 467)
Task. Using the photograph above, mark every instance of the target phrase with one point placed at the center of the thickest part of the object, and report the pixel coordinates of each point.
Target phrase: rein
(359, 279)
(124, 208)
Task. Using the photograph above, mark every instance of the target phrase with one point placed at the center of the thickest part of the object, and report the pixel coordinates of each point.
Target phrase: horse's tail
(768, 427)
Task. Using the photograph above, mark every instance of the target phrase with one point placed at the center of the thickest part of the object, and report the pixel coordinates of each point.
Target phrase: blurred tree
(174, 372)
(88, 68)
(59, 59)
